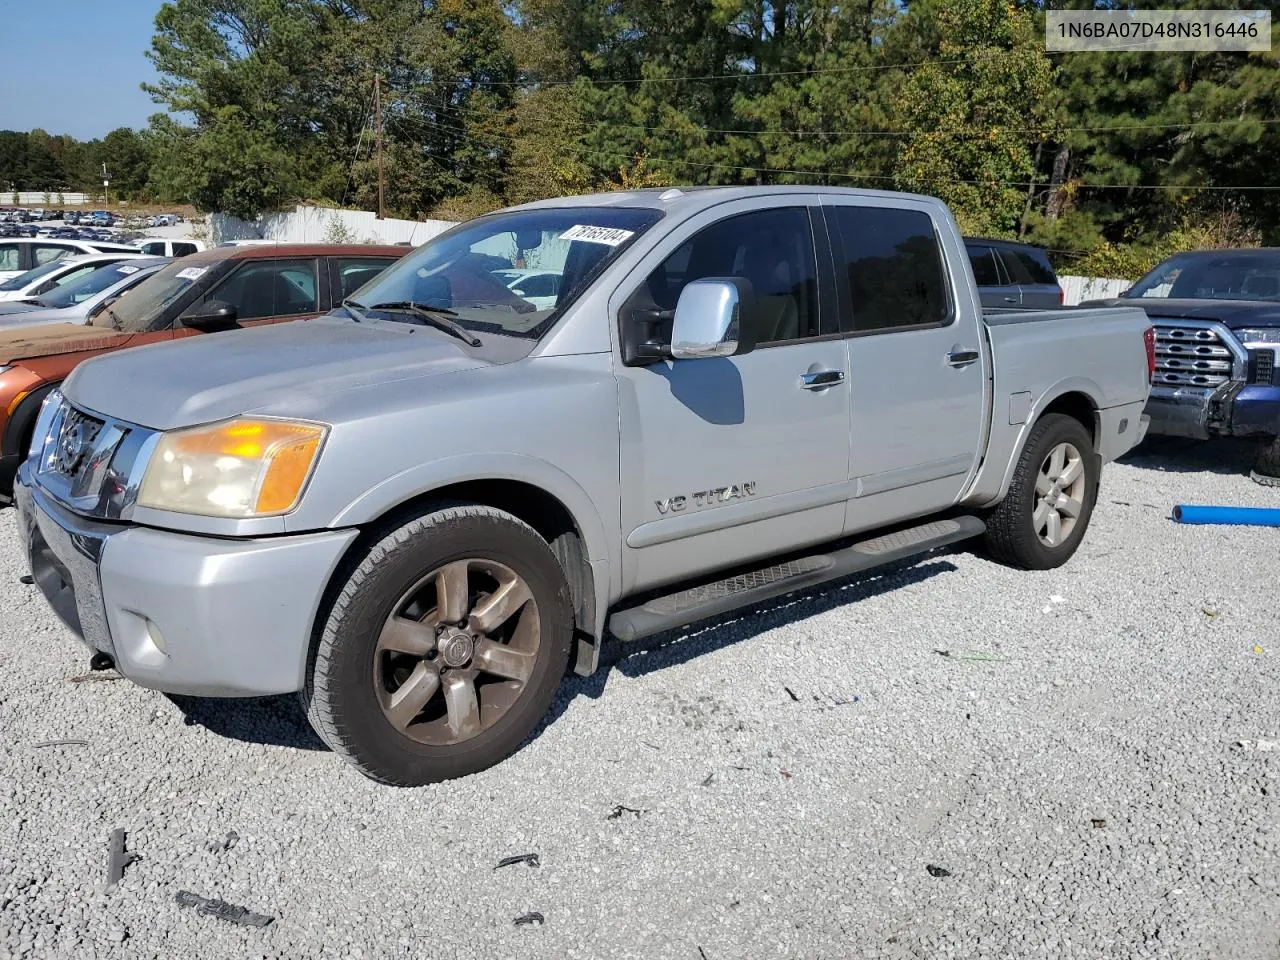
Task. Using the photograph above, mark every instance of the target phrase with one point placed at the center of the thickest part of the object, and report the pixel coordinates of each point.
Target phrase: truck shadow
(680, 646)
(273, 721)
(1226, 456)
(281, 721)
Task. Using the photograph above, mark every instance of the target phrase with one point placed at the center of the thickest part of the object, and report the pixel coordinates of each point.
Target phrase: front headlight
(1259, 335)
(237, 468)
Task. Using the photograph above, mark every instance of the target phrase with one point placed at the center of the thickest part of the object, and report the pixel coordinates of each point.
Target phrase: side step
(743, 589)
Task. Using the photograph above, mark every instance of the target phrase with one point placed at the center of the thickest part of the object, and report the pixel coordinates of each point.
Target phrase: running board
(698, 603)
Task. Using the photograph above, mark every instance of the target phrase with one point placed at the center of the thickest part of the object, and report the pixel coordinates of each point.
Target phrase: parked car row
(17, 256)
(23, 215)
(205, 292)
(56, 273)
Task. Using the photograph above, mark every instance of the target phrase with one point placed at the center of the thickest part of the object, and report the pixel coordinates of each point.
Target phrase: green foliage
(1100, 157)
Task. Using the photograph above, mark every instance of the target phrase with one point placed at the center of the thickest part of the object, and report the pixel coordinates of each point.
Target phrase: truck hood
(27, 343)
(267, 369)
(1232, 313)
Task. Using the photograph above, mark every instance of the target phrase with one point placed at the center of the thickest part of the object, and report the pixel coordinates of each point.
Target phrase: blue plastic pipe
(1247, 516)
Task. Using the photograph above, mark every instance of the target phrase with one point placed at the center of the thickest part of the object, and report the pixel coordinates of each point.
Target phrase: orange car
(219, 289)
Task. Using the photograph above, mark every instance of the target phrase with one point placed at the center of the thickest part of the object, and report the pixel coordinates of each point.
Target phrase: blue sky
(73, 66)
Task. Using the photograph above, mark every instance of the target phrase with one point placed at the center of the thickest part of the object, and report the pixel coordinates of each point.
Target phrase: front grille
(1264, 362)
(76, 435)
(1188, 356)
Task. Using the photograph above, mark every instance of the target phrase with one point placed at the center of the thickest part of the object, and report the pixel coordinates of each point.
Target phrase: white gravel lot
(1092, 763)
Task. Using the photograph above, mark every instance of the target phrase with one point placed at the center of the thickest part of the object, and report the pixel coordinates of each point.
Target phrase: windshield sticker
(127, 270)
(610, 236)
(191, 273)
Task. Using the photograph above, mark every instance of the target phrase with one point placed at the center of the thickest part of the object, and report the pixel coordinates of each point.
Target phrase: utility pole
(377, 109)
(106, 188)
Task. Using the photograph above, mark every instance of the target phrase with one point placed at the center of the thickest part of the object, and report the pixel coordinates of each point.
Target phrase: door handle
(820, 379)
(962, 358)
(1010, 299)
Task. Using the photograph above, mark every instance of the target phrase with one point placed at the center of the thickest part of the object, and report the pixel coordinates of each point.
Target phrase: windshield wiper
(355, 309)
(437, 317)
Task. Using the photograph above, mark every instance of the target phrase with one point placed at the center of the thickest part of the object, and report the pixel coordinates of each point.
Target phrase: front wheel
(444, 648)
(1042, 519)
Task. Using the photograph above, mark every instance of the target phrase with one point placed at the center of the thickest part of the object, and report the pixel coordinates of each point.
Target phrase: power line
(364, 123)
(820, 174)
(975, 133)
(715, 77)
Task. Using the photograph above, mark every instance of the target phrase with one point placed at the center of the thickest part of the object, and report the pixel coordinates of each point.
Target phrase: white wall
(36, 198)
(322, 224)
(1078, 289)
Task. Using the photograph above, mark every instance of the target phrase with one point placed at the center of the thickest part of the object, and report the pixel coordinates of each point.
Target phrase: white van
(169, 248)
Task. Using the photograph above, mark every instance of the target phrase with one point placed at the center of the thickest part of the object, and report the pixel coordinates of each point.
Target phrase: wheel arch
(568, 523)
(1075, 397)
(23, 419)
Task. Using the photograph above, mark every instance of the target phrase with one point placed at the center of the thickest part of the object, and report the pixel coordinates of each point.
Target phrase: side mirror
(708, 320)
(210, 317)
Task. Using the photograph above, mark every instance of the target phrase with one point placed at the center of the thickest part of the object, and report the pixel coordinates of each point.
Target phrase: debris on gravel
(117, 858)
(222, 910)
(530, 858)
(1127, 703)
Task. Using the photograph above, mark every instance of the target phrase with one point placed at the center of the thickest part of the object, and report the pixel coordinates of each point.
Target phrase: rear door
(1031, 271)
(994, 289)
(917, 376)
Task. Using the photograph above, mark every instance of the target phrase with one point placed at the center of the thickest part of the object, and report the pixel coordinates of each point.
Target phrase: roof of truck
(685, 198)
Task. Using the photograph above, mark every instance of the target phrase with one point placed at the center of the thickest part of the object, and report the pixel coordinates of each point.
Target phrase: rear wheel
(1266, 468)
(1042, 519)
(444, 649)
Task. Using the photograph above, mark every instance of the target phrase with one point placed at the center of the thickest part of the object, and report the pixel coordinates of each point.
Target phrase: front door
(728, 459)
(917, 368)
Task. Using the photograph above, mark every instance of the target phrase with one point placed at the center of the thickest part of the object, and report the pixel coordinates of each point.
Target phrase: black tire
(1266, 467)
(1011, 537)
(340, 696)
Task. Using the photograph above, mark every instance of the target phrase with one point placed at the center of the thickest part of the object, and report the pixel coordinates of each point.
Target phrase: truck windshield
(1229, 275)
(508, 273)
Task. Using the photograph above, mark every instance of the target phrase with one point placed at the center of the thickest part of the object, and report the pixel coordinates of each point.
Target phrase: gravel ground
(1092, 757)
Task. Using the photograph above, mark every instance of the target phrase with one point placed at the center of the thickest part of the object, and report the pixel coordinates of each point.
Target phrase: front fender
(424, 478)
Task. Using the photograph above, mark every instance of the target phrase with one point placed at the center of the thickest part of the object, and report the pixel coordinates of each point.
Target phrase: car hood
(1232, 313)
(28, 315)
(26, 343)
(275, 369)
(13, 304)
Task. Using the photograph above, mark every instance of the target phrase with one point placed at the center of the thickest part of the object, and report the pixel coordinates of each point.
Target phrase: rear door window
(354, 272)
(985, 271)
(47, 253)
(1028, 266)
(10, 256)
(892, 263)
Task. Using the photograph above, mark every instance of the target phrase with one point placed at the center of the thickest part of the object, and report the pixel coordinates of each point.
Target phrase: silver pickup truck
(420, 510)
